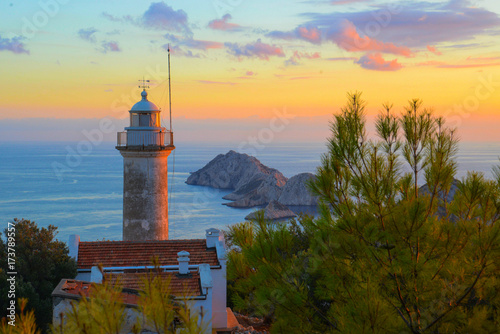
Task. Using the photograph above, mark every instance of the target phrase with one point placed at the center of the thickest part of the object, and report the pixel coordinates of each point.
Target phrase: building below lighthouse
(145, 146)
(195, 269)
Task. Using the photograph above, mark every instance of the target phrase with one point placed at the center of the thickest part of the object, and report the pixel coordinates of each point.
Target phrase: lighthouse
(145, 146)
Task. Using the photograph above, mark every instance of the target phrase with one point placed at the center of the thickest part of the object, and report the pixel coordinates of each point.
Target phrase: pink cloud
(440, 64)
(300, 78)
(374, 61)
(311, 34)
(202, 45)
(482, 58)
(294, 59)
(257, 49)
(189, 42)
(468, 65)
(314, 55)
(223, 24)
(306, 33)
(249, 73)
(431, 63)
(341, 58)
(209, 82)
(350, 40)
(433, 50)
(110, 46)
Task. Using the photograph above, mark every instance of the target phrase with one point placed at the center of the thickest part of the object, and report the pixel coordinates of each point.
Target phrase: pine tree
(385, 255)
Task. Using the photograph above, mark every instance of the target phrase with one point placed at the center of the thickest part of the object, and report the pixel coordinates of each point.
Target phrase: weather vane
(143, 86)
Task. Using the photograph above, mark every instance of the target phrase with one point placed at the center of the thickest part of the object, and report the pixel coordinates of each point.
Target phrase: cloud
(223, 24)
(396, 28)
(350, 40)
(176, 50)
(431, 63)
(114, 32)
(483, 62)
(248, 75)
(87, 34)
(13, 44)
(415, 24)
(463, 46)
(468, 65)
(309, 34)
(109, 46)
(295, 58)
(193, 43)
(254, 50)
(112, 17)
(346, 2)
(341, 58)
(160, 16)
(433, 50)
(374, 61)
(300, 78)
(209, 82)
(482, 58)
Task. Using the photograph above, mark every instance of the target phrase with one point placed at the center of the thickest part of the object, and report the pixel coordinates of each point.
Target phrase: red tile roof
(79, 288)
(179, 285)
(140, 253)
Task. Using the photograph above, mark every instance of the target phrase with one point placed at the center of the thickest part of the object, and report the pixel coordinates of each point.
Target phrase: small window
(134, 119)
(144, 120)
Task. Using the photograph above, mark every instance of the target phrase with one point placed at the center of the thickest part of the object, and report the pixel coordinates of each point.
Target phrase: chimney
(73, 243)
(212, 237)
(183, 258)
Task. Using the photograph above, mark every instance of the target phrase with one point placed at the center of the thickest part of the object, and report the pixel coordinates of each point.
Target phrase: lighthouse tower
(145, 146)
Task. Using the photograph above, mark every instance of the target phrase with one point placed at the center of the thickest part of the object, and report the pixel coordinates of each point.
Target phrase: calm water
(84, 195)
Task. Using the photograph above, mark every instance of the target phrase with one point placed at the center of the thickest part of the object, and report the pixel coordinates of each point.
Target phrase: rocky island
(255, 185)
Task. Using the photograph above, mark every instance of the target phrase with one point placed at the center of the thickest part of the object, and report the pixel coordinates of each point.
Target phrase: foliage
(41, 262)
(384, 256)
(161, 312)
(103, 312)
(25, 321)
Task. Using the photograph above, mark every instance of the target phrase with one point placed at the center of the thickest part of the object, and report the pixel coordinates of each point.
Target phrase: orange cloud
(433, 50)
(350, 40)
(374, 61)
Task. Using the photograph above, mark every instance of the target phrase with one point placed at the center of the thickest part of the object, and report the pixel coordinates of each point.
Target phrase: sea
(78, 188)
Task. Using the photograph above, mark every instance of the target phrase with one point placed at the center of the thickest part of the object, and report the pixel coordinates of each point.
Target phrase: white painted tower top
(145, 105)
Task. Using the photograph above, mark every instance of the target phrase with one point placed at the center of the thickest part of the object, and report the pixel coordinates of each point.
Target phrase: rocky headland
(255, 185)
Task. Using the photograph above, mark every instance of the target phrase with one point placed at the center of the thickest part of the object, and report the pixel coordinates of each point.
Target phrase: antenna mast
(169, 91)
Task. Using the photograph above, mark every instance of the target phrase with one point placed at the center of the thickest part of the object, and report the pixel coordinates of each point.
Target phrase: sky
(274, 69)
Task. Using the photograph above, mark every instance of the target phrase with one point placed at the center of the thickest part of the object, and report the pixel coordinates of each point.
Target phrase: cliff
(254, 184)
(232, 171)
(296, 191)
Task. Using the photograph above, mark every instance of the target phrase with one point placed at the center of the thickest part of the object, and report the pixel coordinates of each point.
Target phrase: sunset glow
(239, 59)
